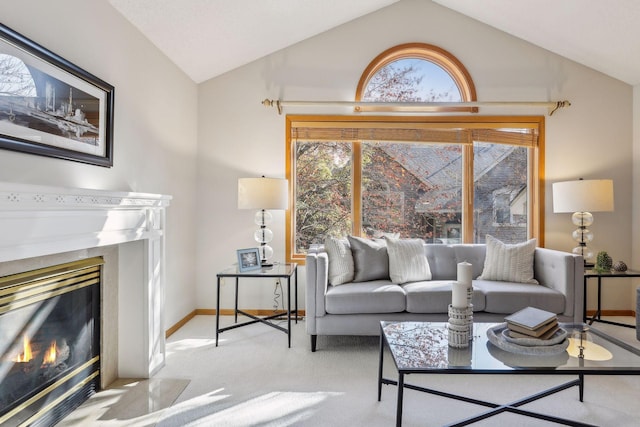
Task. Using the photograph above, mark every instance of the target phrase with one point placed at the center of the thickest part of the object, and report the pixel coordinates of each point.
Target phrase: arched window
(416, 72)
(444, 179)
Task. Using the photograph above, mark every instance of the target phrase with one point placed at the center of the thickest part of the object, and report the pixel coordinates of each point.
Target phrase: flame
(50, 355)
(26, 355)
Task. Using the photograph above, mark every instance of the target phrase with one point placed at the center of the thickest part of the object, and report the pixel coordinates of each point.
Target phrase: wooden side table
(278, 271)
(590, 274)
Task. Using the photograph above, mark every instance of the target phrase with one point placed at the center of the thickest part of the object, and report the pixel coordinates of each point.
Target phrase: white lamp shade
(595, 195)
(263, 193)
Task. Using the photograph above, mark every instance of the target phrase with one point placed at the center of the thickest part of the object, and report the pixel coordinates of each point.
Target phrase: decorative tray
(499, 336)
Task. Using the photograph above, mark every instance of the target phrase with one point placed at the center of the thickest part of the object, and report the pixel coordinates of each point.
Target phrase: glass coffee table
(423, 348)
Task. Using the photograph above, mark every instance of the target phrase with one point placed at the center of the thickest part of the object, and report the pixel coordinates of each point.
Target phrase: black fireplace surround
(49, 342)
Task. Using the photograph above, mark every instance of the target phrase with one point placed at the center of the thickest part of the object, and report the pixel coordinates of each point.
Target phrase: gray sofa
(357, 308)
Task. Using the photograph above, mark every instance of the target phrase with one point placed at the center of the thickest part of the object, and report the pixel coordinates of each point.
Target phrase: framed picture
(50, 107)
(249, 259)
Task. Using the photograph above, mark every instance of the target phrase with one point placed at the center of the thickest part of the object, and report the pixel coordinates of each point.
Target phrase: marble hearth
(42, 226)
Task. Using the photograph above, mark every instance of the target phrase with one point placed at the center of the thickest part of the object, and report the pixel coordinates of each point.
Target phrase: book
(536, 333)
(545, 335)
(530, 318)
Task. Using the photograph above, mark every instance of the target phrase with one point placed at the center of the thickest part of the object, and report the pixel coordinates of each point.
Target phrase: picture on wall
(51, 107)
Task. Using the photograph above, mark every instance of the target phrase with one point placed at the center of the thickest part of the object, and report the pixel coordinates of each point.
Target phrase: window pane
(322, 191)
(412, 80)
(413, 190)
(500, 192)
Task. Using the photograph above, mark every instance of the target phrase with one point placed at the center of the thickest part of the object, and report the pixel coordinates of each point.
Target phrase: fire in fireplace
(49, 342)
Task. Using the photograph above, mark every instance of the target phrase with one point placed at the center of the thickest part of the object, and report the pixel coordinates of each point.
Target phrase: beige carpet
(253, 379)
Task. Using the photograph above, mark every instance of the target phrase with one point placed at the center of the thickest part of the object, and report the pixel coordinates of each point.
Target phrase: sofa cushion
(509, 297)
(442, 261)
(407, 260)
(474, 254)
(340, 261)
(509, 262)
(377, 296)
(370, 259)
(435, 297)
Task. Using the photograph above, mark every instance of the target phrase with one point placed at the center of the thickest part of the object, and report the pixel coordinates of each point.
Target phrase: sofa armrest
(564, 272)
(317, 275)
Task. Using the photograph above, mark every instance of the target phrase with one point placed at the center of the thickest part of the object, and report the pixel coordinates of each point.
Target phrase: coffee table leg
(380, 362)
(400, 393)
(581, 386)
(217, 310)
(289, 310)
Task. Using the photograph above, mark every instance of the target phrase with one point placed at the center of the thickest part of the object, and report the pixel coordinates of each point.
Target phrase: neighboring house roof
(439, 169)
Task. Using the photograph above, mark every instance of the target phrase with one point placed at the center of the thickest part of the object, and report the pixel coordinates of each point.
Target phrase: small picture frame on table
(249, 259)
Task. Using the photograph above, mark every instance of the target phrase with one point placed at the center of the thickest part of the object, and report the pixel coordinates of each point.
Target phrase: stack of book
(532, 322)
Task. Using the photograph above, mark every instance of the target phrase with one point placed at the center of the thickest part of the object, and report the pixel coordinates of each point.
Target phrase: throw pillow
(370, 259)
(407, 260)
(509, 262)
(340, 261)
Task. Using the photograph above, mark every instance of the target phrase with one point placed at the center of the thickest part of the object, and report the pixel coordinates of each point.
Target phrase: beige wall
(239, 137)
(155, 138)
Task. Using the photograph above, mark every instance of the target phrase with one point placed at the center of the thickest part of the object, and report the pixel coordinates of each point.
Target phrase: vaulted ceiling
(601, 34)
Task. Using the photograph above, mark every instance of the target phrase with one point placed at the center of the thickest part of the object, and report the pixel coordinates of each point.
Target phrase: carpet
(253, 379)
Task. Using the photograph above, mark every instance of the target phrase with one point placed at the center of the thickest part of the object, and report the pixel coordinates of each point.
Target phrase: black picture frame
(51, 107)
(249, 259)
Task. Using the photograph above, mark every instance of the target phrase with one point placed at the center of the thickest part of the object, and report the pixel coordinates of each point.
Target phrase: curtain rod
(416, 107)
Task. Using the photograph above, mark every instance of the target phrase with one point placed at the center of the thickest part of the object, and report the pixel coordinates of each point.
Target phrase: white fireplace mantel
(39, 220)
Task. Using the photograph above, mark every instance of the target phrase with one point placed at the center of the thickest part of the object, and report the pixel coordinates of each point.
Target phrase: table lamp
(583, 197)
(263, 194)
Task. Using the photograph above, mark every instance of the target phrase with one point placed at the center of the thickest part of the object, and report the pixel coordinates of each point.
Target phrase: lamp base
(265, 264)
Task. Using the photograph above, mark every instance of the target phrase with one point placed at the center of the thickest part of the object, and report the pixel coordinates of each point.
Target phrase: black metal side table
(278, 271)
(590, 274)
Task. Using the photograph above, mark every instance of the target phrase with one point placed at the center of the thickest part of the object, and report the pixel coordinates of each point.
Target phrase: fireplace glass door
(49, 341)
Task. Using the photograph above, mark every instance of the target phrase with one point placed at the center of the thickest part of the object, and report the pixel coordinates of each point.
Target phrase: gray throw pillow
(509, 262)
(407, 260)
(370, 259)
(340, 261)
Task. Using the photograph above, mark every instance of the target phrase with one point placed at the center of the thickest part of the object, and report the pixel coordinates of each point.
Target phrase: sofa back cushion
(444, 259)
(474, 254)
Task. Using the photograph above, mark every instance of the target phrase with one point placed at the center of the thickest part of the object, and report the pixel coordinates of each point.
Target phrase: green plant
(603, 262)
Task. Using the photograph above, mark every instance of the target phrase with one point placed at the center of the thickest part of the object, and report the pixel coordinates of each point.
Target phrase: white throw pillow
(340, 261)
(407, 260)
(509, 262)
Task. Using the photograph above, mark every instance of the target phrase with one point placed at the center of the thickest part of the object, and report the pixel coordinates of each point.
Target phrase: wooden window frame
(354, 125)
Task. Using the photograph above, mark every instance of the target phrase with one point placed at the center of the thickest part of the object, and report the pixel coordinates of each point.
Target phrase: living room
(193, 140)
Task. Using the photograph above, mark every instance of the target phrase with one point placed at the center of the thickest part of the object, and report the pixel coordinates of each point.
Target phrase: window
(445, 179)
(416, 72)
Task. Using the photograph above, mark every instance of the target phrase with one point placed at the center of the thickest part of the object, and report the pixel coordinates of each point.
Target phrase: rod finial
(270, 103)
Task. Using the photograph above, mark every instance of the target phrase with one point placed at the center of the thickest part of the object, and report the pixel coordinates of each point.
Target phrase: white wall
(239, 137)
(155, 132)
(635, 226)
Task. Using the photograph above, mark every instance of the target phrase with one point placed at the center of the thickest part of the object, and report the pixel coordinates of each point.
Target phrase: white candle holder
(460, 320)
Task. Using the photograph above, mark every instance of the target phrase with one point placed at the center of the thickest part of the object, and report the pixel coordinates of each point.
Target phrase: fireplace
(49, 342)
(44, 226)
